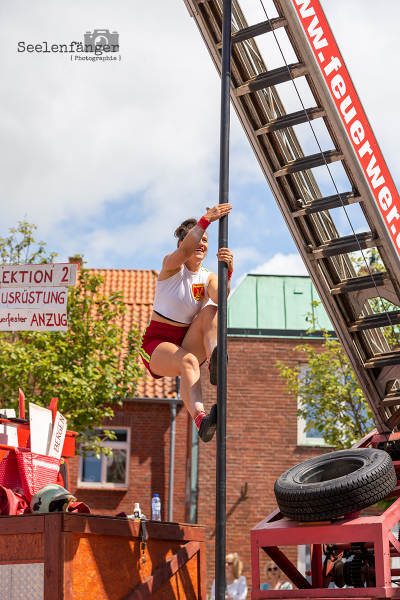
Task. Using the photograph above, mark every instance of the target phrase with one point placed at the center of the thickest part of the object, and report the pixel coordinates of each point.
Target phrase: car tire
(335, 484)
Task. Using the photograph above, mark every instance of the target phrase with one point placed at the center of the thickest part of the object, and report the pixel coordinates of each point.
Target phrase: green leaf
(329, 398)
(91, 367)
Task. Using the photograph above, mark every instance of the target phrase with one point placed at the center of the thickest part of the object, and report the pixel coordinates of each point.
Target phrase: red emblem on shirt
(198, 291)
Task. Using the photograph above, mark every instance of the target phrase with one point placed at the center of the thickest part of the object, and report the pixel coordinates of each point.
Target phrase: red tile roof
(138, 288)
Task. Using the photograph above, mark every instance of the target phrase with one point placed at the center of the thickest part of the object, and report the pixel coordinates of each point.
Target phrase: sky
(107, 158)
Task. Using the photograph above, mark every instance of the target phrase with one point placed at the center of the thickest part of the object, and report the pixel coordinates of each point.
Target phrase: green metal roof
(270, 305)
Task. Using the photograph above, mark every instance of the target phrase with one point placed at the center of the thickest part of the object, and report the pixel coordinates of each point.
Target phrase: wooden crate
(103, 558)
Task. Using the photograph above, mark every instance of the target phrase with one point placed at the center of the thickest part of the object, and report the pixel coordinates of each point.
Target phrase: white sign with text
(34, 297)
(29, 297)
(57, 274)
(58, 437)
(42, 319)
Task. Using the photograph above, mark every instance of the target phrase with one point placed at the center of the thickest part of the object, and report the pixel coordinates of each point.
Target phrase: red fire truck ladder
(270, 130)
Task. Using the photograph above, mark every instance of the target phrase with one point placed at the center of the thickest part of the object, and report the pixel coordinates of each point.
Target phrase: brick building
(266, 320)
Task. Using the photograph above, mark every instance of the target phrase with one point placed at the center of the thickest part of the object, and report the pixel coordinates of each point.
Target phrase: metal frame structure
(364, 538)
(270, 131)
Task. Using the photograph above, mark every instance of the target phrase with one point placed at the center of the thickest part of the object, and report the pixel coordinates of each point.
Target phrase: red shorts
(156, 333)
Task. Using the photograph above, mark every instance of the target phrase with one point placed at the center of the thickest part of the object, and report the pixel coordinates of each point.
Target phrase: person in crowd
(236, 585)
(182, 333)
(273, 575)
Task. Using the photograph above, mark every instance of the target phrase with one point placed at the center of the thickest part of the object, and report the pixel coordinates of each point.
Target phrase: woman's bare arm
(174, 261)
(225, 255)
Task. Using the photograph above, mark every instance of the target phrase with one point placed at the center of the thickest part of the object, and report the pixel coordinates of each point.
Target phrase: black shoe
(208, 425)
(213, 366)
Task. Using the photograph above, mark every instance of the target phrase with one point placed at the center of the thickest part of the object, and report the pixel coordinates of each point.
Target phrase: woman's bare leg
(201, 337)
(168, 360)
(171, 361)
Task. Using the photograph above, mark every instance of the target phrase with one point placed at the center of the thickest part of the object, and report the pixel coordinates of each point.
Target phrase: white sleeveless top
(182, 296)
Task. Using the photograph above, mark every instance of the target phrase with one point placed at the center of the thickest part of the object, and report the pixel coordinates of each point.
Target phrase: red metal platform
(373, 532)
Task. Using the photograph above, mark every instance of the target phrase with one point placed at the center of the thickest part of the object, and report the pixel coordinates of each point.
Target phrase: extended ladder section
(344, 292)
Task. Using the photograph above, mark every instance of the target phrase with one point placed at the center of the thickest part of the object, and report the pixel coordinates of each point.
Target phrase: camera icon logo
(100, 38)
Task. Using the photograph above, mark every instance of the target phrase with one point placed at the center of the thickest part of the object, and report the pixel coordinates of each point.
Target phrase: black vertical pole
(220, 522)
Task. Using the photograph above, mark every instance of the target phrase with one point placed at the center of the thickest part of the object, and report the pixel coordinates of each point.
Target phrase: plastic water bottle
(156, 508)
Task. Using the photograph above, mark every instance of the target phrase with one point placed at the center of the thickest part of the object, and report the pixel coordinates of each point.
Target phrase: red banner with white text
(343, 94)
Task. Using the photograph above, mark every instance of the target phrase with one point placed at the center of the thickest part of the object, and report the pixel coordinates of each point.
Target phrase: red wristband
(203, 223)
(230, 274)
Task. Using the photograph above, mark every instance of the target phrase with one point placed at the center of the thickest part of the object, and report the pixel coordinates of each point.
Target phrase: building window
(304, 561)
(311, 437)
(193, 475)
(107, 471)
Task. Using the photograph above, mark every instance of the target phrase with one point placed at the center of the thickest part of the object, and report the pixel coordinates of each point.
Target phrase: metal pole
(220, 524)
(172, 454)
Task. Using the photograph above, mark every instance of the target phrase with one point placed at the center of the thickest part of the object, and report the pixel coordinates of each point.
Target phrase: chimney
(76, 260)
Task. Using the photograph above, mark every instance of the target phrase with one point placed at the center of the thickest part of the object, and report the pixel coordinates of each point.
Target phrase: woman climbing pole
(182, 333)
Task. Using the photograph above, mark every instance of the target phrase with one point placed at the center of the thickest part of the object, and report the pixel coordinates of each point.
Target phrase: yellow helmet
(51, 498)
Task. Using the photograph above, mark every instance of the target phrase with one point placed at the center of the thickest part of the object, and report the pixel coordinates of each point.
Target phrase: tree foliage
(20, 247)
(378, 304)
(90, 367)
(330, 399)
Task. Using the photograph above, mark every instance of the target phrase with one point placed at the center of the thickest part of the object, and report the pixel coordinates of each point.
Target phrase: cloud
(107, 158)
(282, 264)
(245, 254)
(279, 264)
(80, 135)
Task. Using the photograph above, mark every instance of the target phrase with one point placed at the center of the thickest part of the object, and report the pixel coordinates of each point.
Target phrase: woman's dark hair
(184, 228)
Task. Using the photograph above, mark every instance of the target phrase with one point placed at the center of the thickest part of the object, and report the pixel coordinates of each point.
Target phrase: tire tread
(336, 497)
